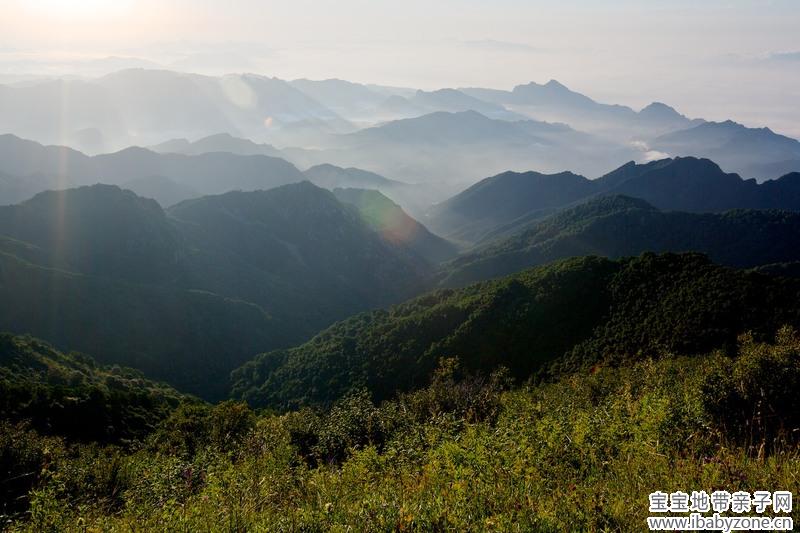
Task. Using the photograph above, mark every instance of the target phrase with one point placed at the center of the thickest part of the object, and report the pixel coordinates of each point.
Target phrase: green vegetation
(47, 396)
(495, 202)
(619, 226)
(511, 202)
(190, 294)
(188, 338)
(544, 321)
(70, 395)
(554, 399)
(465, 453)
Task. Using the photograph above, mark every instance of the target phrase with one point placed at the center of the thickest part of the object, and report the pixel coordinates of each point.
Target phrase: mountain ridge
(511, 201)
(619, 226)
(189, 293)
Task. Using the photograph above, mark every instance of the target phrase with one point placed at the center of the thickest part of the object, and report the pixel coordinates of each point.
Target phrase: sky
(715, 59)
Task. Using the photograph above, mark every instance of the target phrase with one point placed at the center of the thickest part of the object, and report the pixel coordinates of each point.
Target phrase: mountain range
(310, 123)
(754, 152)
(620, 226)
(178, 170)
(145, 107)
(565, 316)
(190, 293)
(448, 150)
(185, 259)
(169, 177)
(553, 101)
(221, 142)
(510, 202)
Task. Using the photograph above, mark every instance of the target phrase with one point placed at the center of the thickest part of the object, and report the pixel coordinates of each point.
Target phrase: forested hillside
(70, 395)
(511, 202)
(619, 226)
(189, 294)
(556, 318)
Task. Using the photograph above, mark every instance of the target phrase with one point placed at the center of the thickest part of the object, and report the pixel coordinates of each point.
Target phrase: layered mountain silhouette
(753, 152)
(451, 149)
(145, 107)
(351, 100)
(188, 294)
(100, 230)
(311, 122)
(411, 196)
(165, 177)
(333, 177)
(553, 101)
(448, 100)
(509, 202)
(494, 202)
(221, 142)
(619, 226)
(461, 127)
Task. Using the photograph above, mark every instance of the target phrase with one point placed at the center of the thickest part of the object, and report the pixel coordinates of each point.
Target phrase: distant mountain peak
(696, 164)
(555, 84)
(134, 151)
(660, 110)
(727, 124)
(659, 106)
(552, 93)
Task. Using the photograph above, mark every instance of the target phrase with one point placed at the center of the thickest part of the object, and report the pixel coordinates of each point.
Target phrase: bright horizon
(723, 59)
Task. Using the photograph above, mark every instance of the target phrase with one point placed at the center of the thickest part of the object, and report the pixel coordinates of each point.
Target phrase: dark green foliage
(194, 426)
(69, 395)
(23, 456)
(494, 202)
(353, 422)
(510, 202)
(464, 453)
(100, 231)
(561, 317)
(618, 226)
(755, 397)
(188, 338)
(684, 304)
(519, 323)
(48, 397)
(188, 295)
(296, 251)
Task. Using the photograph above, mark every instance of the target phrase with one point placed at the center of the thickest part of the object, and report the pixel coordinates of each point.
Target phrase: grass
(465, 454)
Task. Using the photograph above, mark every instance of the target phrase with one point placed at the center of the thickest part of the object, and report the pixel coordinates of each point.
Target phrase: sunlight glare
(79, 8)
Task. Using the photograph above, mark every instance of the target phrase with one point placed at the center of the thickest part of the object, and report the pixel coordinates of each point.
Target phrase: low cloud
(648, 154)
